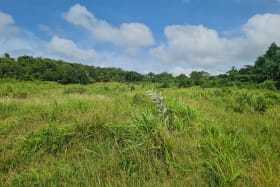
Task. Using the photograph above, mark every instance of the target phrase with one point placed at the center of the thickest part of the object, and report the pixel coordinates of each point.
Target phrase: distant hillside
(264, 73)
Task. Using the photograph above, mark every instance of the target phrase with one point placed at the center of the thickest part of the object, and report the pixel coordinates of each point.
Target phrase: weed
(47, 140)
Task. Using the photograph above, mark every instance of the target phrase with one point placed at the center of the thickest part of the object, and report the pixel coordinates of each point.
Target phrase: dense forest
(265, 73)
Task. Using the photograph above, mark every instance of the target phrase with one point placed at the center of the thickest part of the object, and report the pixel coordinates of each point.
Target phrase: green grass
(108, 134)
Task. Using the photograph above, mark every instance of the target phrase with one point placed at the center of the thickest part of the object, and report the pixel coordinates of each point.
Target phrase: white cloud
(263, 28)
(130, 36)
(177, 70)
(19, 42)
(7, 25)
(14, 40)
(187, 47)
(6, 19)
(67, 49)
(197, 46)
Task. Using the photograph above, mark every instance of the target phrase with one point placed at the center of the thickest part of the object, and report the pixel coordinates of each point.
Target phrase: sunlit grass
(112, 135)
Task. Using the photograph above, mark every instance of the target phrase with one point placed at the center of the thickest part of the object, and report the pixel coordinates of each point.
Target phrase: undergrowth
(115, 135)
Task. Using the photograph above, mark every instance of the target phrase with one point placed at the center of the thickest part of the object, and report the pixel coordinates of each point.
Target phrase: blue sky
(177, 36)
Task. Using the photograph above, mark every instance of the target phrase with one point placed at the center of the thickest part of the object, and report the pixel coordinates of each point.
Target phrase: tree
(199, 77)
(232, 73)
(183, 81)
(6, 55)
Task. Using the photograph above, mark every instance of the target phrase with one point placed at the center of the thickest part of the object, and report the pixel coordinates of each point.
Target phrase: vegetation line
(265, 73)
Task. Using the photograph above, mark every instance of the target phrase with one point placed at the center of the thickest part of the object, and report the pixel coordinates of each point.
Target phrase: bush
(260, 104)
(251, 103)
(185, 83)
(164, 85)
(269, 84)
(139, 99)
(272, 98)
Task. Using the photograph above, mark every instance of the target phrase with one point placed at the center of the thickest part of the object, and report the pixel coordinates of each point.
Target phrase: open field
(112, 134)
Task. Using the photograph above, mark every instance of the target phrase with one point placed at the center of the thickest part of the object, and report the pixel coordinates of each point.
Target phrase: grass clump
(175, 114)
(47, 140)
(140, 99)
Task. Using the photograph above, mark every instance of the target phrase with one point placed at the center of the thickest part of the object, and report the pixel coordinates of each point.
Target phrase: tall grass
(113, 135)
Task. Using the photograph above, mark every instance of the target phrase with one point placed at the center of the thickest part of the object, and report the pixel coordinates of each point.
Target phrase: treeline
(265, 73)
(44, 69)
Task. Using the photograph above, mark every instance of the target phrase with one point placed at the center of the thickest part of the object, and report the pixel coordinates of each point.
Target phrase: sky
(175, 36)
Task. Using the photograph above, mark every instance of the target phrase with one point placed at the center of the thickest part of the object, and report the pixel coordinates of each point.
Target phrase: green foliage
(8, 91)
(175, 115)
(29, 68)
(221, 158)
(264, 74)
(7, 108)
(251, 102)
(47, 140)
(112, 136)
(268, 84)
(146, 122)
(181, 115)
(140, 99)
(164, 85)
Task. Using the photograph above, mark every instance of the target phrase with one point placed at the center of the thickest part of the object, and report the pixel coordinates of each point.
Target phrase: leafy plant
(157, 99)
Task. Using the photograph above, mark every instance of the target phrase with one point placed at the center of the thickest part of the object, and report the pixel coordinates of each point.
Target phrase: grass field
(113, 134)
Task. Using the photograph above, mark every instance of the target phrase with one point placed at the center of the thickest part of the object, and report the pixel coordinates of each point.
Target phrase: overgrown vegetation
(128, 129)
(108, 134)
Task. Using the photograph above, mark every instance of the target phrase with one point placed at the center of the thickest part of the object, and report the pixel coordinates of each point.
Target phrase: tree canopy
(264, 72)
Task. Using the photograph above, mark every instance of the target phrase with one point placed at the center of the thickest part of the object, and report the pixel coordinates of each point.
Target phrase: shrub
(272, 98)
(139, 99)
(164, 85)
(260, 104)
(269, 84)
(250, 102)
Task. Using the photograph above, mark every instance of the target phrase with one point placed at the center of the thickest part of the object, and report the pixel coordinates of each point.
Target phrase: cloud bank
(131, 36)
(184, 49)
(200, 47)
